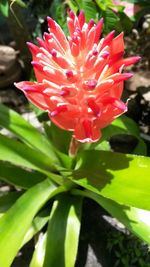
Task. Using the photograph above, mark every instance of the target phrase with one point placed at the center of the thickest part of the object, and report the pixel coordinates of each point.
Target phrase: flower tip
(130, 75)
(112, 32)
(32, 47)
(102, 20)
(19, 85)
(51, 22)
(135, 59)
(138, 58)
(82, 12)
(71, 14)
(15, 84)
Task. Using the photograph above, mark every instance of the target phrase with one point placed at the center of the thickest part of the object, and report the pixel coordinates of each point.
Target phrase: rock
(10, 69)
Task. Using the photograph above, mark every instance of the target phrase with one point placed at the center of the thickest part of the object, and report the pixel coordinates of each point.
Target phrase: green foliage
(65, 220)
(96, 9)
(128, 250)
(39, 165)
(51, 185)
(4, 7)
(143, 2)
(115, 176)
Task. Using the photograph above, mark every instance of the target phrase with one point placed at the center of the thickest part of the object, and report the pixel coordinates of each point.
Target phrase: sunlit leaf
(136, 220)
(4, 7)
(39, 252)
(15, 123)
(21, 154)
(37, 224)
(120, 177)
(17, 220)
(63, 232)
(7, 200)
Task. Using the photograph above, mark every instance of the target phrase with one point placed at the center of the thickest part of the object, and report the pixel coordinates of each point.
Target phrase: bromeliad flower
(79, 79)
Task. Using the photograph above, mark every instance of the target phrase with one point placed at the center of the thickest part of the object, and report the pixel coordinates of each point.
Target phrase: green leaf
(39, 252)
(72, 5)
(14, 123)
(104, 4)
(136, 220)
(111, 20)
(7, 200)
(63, 232)
(37, 224)
(53, 132)
(21, 154)
(125, 125)
(18, 176)
(20, 3)
(126, 22)
(61, 144)
(89, 8)
(4, 7)
(15, 223)
(120, 177)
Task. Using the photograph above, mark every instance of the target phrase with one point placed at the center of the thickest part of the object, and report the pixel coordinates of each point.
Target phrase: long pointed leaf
(15, 123)
(15, 223)
(37, 224)
(39, 252)
(63, 232)
(17, 220)
(18, 176)
(7, 200)
(120, 177)
(136, 220)
(21, 154)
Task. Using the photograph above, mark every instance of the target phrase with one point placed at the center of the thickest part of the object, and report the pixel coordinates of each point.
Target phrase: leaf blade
(15, 123)
(136, 220)
(63, 232)
(23, 211)
(120, 177)
(20, 177)
(21, 154)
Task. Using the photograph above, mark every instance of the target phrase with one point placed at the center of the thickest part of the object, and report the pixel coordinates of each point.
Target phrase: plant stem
(73, 147)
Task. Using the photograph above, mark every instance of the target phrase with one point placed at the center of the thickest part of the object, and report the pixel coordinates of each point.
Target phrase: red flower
(79, 79)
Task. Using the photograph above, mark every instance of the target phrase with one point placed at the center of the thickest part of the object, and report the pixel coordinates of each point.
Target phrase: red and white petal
(86, 131)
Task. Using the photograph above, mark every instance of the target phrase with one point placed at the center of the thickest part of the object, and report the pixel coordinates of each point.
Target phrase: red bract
(79, 79)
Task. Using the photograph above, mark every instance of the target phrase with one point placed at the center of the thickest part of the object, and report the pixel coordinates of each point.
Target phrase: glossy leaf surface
(37, 224)
(63, 232)
(23, 155)
(7, 200)
(15, 223)
(15, 123)
(136, 220)
(39, 252)
(120, 177)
